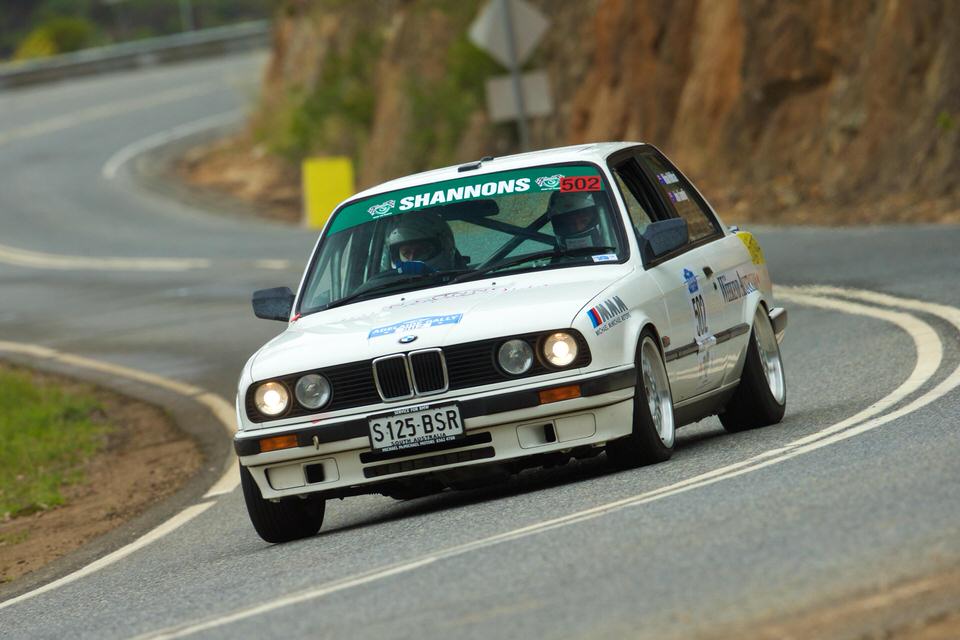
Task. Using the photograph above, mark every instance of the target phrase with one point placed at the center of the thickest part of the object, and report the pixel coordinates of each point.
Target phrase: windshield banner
(538, 180)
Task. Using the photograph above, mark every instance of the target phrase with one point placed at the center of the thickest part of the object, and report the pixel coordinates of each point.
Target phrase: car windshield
(535, 218)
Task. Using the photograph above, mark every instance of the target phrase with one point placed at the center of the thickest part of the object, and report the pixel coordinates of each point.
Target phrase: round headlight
(560, 349)
(515, 357)
(271, 398)
(312, 391)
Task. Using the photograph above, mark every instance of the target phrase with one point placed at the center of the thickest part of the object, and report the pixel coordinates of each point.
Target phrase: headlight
(515, 357)
(312, 391)
(560, 349)
(271, 398)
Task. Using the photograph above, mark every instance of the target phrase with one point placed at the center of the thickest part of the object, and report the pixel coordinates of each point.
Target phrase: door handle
(707, 271)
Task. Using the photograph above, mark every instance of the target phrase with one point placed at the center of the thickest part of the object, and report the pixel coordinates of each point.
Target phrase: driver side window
(626, 175)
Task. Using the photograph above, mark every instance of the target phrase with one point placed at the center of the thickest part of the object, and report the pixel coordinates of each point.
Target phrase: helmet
(575, 219)
(422, 238)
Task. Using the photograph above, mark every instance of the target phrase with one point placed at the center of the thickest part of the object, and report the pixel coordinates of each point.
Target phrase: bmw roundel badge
(407, 339)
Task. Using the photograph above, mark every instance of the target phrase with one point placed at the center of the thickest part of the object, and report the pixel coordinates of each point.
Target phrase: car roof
(592, 152)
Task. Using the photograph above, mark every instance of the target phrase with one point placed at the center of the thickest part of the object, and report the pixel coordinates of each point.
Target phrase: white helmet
(428, 239)
(575, 219)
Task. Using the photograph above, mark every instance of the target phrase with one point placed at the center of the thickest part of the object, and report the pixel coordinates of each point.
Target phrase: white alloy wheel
(656, 385)
(769, 352)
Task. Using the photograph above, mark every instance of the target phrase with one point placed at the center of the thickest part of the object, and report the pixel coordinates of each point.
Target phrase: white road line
(929, 351)
(108, 110)
(333, 587)
(170, 525)
(220, 408)
(928, 346)
(124, 155)
(276, 265)
(38, 260)
(227, 414)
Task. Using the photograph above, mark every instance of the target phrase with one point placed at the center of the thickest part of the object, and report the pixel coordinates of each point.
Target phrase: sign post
(509, 30)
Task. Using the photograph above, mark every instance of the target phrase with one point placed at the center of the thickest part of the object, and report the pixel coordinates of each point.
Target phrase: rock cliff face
(812, 110)
(774, 104)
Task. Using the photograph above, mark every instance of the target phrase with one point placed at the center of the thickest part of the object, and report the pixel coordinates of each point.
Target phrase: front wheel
(282, 521)
(654, 429)
(761, 397)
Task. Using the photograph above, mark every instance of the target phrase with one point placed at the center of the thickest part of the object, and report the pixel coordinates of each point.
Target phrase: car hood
(437, 316)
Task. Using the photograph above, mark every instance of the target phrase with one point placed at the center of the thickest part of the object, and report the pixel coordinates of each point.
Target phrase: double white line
(929, 350)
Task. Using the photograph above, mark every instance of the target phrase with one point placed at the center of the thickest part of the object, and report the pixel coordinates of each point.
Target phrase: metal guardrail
(140, 53)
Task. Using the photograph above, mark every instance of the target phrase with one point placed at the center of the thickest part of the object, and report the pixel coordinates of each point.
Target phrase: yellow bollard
(326, 183)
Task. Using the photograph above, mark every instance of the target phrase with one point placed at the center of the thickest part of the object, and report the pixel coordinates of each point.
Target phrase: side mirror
(660, 238)
(273, 304)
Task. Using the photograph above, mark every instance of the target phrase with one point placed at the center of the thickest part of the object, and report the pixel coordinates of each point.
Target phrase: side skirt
(704, 405)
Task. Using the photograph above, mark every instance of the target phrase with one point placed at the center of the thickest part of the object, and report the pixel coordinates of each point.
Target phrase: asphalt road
(735, 528)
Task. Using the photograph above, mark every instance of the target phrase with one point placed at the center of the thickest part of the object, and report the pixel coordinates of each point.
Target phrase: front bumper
(504, 426)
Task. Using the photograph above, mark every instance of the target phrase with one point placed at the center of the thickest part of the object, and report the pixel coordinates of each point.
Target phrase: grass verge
(47, 433)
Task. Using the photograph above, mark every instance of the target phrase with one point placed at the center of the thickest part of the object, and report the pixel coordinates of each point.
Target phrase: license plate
(415, 427)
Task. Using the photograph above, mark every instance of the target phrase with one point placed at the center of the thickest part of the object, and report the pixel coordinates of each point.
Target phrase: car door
(717, 281)
(686, 305)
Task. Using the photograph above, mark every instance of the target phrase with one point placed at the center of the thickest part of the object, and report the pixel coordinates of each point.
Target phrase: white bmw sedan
(459, 325)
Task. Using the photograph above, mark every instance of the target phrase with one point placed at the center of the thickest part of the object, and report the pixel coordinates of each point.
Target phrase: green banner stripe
(434, 194)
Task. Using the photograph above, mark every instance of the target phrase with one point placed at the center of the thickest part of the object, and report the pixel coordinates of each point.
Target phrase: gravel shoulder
(146, 459)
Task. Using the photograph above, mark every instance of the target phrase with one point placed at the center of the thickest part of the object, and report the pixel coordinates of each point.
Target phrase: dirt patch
(240, 170)
(146, 459)
(925, 608)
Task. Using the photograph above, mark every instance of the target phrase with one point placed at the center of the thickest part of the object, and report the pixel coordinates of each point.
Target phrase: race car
(456, 326)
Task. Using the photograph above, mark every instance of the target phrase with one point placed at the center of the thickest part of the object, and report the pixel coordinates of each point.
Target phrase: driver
(422, 238)
(575, 219)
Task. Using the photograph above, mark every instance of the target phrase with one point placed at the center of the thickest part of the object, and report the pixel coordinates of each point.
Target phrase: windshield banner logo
(456, 194)
(380, 210)
(548, 183)
(414, 324)
(494, 186)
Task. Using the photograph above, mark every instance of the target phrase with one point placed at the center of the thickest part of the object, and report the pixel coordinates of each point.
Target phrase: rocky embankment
(818, 111)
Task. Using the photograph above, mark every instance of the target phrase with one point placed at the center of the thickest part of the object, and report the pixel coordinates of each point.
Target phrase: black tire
(283, 521)
(645, 445)
(754, 403)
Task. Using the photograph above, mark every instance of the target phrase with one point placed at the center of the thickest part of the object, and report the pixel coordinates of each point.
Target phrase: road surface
(856, 489)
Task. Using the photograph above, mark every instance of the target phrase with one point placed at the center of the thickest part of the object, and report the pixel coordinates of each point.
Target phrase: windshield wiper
(387, 286)
(529, 257)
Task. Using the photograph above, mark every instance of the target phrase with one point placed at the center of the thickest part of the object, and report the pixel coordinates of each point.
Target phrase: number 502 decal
(700, 313)
(580, 183)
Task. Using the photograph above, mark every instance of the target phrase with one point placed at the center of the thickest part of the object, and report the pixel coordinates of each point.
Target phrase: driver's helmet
(575, 219)
(422, 237)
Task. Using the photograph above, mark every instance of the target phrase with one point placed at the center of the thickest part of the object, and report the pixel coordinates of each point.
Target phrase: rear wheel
(761, 398)
(283, 521)
(654, 429)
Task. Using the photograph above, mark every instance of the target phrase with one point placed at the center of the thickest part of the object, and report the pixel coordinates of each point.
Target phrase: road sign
(502, 103)
(488, 33)
(509, 30)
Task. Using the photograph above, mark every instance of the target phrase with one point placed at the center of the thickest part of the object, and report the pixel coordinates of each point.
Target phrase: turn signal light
(278, 442)
(560, 393)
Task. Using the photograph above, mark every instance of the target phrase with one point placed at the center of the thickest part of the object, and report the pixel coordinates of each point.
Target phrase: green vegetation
(47, 434)
(339, 112)
(946, 122)
(441, 108)
(58, 35)
(10, 539)
(37, 28)
(335, 115)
